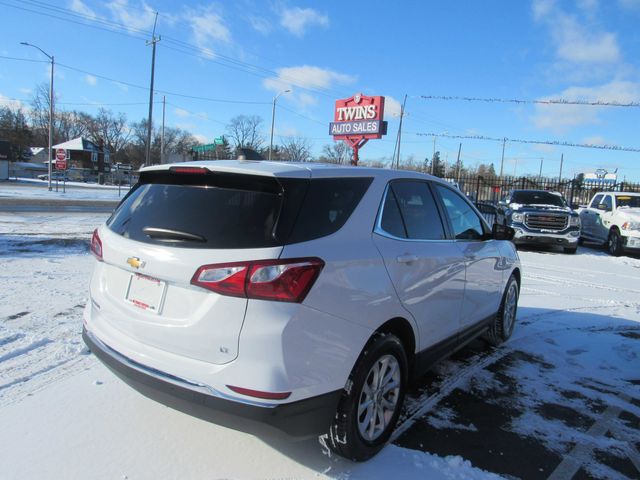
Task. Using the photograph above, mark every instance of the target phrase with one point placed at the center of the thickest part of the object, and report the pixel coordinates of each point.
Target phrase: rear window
(222, 210)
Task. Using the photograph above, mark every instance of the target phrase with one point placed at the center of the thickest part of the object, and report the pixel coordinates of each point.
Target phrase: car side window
(608, 202)
(417, 210)
(596, 201)
(465, 222)
(391, 221)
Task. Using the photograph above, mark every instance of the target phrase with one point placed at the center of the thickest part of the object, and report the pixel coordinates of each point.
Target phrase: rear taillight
(281, 280)
(96, 245)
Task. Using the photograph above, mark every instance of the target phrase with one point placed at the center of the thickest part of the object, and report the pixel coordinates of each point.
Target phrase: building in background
(85, 160)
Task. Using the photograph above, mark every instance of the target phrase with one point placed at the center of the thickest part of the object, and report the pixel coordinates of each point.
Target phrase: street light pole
(273, 119)
(50, 57)
(151, 42)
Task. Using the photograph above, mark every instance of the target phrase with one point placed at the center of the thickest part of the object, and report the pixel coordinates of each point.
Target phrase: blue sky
(248, 51)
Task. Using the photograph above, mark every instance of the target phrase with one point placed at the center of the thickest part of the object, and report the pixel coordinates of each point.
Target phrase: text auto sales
(358, 127)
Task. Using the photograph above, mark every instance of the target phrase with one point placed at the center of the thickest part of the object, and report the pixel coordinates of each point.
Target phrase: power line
(179, 45)
(557, 101)
(556, 143)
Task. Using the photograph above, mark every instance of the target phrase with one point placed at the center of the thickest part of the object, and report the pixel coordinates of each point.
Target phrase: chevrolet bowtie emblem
(135, 262)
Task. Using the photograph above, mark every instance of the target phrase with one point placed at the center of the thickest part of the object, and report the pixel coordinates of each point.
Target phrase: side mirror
(603, 207)
(502, 232)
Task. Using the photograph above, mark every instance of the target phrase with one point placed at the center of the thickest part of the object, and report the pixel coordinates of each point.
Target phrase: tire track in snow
(574, 282)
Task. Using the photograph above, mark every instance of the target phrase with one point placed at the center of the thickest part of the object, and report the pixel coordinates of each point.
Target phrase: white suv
(300, 296)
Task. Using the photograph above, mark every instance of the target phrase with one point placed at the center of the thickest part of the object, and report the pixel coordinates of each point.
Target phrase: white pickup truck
(612, 219)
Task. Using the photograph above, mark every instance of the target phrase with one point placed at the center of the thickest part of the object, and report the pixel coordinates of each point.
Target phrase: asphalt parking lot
(532, 408)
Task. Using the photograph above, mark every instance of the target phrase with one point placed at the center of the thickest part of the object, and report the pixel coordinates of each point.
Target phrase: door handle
(407, 258)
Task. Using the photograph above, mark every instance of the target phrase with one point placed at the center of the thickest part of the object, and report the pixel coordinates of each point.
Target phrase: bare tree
(110, 129)
(297, 149)
(40, 116)
(14, 129)
(244, 131)
(73, 124)
(337, 152)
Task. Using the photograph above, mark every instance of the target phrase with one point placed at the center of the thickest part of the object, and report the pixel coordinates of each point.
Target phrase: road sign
(218, 141)
(61, 164)
(61, 154)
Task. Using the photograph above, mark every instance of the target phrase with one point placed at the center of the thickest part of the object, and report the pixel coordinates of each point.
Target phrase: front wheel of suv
(502, 327)
(614, 243)
(371, 403)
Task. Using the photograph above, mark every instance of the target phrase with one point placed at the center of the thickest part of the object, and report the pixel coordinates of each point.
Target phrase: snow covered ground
(37, 190)
(563, 395)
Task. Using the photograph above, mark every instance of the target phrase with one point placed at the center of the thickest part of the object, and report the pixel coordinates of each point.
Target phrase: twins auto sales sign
(358, 118)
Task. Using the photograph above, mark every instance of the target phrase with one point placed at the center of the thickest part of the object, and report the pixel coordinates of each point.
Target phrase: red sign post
(357, 120)
(61, 159)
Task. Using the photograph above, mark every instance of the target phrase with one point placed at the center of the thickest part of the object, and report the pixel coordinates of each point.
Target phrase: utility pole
(273, 119)
(540, 174)
(151, 42)
(164, 105)
(51, 109)
(399, 137)
(434, 154)
(458, 163)
(504, 141)
(561, 162)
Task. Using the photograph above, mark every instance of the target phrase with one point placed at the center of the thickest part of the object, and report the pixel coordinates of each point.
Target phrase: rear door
(484, 266)
(426, 269)
(588, 216)
(163, 231)
(604, 219)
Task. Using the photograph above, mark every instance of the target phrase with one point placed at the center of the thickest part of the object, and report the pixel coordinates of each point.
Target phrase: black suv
(540, 218)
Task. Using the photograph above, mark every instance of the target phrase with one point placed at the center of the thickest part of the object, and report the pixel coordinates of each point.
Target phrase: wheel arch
(516, 273)
(401, 328)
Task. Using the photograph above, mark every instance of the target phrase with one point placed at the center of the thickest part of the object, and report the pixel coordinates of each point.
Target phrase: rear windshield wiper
(168, 235)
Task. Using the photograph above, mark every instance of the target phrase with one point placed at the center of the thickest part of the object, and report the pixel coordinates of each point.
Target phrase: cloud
(305, 76)
(6, 102)
(91, 80)
(392, 108)
(26, 91)
(180, 112)
(595, 140)
(81, 8)
(296, 20)
(141, 18)
(560, 118)
(199, 137)
(207, 27)
(574, 41)
(261, 25)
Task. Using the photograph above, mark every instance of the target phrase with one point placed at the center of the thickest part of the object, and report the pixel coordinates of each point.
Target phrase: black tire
(570, 250)
(614, 243)
(345, 437)
(580, 240)
(502, 326)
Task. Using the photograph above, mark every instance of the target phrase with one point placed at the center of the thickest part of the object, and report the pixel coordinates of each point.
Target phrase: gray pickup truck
(540, 217)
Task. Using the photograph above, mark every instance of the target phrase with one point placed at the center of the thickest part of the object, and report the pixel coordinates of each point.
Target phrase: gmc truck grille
(546, 221)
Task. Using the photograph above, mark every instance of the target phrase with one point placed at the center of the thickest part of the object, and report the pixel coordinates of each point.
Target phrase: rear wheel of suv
(371, 403)
(570, 250)
(614, 244)
(502, 327)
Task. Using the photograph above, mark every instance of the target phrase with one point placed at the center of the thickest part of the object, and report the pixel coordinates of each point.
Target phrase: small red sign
(61, 154)
(61, 164)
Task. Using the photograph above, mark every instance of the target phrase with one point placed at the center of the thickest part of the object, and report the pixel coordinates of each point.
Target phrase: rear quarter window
(327, 206)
